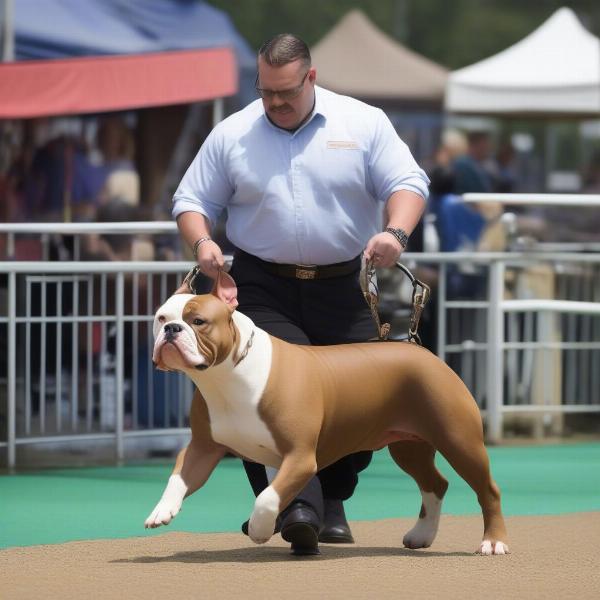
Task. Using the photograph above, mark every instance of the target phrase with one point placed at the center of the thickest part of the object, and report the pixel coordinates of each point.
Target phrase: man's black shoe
(300, 526)
(335, 528)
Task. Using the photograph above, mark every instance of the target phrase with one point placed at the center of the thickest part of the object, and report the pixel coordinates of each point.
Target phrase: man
(470, 174)
(305, 175)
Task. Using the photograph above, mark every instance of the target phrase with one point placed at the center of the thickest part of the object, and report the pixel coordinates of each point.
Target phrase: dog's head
(196, 332)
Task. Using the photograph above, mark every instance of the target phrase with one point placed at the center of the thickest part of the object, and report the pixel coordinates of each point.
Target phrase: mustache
(282, 108)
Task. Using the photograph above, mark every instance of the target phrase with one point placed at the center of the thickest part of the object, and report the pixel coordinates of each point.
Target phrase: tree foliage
(453, 33)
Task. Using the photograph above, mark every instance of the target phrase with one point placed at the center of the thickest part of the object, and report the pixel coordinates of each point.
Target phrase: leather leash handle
(420, 297)
(372, 299)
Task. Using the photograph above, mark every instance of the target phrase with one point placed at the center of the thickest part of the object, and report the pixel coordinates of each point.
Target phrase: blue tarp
(67, 28)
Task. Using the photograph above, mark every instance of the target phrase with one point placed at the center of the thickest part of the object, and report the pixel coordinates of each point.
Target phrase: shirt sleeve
(205, 187)
(391, 164)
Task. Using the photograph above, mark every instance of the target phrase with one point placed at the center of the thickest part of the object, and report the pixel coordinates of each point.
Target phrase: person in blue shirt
(308, 179)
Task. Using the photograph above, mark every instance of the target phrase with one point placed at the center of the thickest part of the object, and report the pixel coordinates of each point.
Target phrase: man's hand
(210, 260)
(383, 249)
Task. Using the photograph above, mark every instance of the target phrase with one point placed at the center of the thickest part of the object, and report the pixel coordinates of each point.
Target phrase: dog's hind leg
(416, 458)
(470, 460)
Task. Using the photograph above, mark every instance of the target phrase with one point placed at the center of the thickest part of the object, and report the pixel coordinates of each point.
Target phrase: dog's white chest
(242, 430)
(232, 397)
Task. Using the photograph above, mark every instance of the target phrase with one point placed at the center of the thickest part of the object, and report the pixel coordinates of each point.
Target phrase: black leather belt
(305, 271)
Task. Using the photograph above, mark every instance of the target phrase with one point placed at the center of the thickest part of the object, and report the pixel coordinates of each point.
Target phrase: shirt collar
(318, 111)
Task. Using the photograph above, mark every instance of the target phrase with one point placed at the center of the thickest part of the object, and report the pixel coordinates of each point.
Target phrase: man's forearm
(193, 226)
(404, 210)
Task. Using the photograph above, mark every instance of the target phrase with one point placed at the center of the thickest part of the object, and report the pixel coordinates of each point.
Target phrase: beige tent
(358, 59)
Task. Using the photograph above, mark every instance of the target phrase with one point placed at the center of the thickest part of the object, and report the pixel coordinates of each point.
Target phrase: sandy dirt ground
(551, 557)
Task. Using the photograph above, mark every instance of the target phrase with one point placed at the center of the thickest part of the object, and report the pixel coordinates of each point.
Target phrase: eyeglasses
(285, 95)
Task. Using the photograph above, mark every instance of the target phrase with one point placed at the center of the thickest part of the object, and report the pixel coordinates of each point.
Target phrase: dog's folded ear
(225, 289)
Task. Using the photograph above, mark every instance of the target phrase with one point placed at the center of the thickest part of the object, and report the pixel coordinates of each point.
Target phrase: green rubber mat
(56, 506)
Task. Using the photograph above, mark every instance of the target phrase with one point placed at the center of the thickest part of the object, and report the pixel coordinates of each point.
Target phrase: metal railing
(47, 231)
(77, 344)
(75, 361)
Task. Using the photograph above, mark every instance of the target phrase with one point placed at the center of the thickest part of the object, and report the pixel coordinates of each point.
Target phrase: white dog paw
(488, 548)
(260, 528)
(264, 515)
(421, 535)
(426, 528)
(163, 514)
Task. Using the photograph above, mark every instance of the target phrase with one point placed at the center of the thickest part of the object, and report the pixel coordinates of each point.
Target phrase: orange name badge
(342, 145)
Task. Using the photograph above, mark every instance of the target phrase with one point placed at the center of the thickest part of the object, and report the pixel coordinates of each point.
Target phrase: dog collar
(245, 350)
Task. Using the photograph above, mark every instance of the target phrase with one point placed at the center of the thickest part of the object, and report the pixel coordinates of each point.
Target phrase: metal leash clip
(371, 294)
(420, 297)
(190, 279)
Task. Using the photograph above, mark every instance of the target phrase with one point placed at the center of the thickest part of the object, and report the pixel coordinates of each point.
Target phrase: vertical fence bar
(441, 311)
(43, 329)
(595, 354)
(12, 370)
(135, 325)
(119, 363)
(528, 356)
(89, 403)
(512, 359)
(149, 373)
(103, 366)
(58, 357)
(10, 246)
(28, 355)
(76, 247)
(495, 352)
(586, 322)
(75, 354)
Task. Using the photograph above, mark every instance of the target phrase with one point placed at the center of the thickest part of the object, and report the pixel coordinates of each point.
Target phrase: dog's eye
(199, 321)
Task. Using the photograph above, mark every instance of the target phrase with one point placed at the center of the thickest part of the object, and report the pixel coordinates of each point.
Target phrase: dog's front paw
(264, 516)
(488, 548)
(164, 512)
(170, 503)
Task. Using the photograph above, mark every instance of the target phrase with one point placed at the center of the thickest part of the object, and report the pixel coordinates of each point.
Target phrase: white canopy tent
(555, 70)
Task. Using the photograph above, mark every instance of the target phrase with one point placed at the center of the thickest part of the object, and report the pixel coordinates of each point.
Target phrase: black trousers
(312, 312)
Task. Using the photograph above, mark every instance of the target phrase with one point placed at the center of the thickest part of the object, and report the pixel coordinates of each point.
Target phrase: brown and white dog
(300, 408)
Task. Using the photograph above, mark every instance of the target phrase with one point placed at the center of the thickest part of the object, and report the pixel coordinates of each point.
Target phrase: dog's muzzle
(171, 330)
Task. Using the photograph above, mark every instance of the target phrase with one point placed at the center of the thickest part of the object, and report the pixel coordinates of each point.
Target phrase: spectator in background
(505, 176)
(461, 168)
(118, 246)
(471, 169)
(62, 183)
(115, 142)
(443, 179)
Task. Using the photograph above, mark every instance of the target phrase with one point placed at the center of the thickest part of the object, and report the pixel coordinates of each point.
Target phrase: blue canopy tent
(158, 33)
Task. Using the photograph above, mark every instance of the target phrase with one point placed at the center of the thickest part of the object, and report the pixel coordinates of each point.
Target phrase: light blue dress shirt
(314, 196)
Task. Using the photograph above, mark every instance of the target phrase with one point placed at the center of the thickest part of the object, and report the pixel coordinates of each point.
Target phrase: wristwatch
(399, 234)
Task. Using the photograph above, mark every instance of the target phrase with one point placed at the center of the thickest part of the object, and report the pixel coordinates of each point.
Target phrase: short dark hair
(284, 48)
